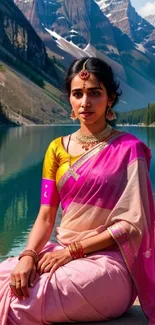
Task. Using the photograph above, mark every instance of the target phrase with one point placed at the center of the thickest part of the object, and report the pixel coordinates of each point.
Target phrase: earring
(72, 116)
(110, 114)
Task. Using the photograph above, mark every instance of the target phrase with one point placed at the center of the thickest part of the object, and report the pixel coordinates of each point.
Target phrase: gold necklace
(73, 173)
(103, 143)
(88, 141)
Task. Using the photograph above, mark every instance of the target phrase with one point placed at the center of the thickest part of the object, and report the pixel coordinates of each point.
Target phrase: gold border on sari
(117, 231)
(83, 159)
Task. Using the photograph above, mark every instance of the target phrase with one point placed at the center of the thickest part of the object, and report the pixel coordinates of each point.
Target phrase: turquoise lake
(21, 155)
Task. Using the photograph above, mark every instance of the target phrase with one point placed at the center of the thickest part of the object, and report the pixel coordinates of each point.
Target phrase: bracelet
(30, 252)
(76, 250)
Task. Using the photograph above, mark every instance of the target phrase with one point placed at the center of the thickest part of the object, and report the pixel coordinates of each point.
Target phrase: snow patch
(61, 18)
(140, 47)
(118, 20)
(103, 4)
(73, 31)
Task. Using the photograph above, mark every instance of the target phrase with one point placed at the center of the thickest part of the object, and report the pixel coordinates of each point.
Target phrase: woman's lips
(85, 114)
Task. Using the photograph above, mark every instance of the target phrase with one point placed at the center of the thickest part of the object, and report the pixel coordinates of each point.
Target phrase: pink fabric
(141, 268)
(49, 193)
(96, 288)
(113, 188)
(115, 159)
(116, 180)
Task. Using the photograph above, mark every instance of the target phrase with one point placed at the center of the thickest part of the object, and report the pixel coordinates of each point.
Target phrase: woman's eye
(95, 93)
(77, 94)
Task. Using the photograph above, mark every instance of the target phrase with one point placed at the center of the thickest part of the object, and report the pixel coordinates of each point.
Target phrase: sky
(144, 7)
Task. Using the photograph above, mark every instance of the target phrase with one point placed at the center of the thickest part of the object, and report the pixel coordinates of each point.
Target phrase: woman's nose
(85, 102)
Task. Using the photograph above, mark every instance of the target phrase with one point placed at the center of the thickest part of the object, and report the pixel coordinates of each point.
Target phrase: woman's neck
(93, 128)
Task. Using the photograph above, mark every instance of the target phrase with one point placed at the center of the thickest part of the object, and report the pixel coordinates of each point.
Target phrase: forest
(144, 116)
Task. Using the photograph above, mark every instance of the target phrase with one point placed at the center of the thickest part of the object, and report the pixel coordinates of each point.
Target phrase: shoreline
(72, 124)
(137, 125)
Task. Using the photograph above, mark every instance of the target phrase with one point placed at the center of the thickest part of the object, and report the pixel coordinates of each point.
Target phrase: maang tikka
(84, 74)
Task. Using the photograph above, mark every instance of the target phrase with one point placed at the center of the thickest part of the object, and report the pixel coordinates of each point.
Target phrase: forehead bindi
(92, 82)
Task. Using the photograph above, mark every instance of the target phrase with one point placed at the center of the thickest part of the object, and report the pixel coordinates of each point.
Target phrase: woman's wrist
(76, 250)
(28, 258)
(30, 252)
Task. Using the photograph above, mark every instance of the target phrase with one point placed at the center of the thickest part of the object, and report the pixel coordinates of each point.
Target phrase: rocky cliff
(23, 102)
(43, 14)
(110, 29)
(122, 15)
(19, 38)
(80, 23)
(25, 65)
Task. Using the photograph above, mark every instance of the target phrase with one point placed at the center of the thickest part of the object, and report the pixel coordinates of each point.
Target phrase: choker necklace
(88, 141)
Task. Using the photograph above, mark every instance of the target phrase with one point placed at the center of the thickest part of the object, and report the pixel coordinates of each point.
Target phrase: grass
(57, 99)
(2, 68)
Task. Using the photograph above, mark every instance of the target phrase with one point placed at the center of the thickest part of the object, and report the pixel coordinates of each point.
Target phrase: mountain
(42, 14)
(80, 24)
(19, 38)
(24, 102)
(110, 29)
(122, 15)
(151, 19)
(29, 78)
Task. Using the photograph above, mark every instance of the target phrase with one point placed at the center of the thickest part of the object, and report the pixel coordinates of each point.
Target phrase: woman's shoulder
(133, 147)
(129, 140)
(54, 144)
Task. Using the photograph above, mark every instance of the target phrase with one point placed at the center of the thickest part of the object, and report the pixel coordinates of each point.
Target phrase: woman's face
(89, 99)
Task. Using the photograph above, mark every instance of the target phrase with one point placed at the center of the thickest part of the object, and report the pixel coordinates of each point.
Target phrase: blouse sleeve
(49, 192)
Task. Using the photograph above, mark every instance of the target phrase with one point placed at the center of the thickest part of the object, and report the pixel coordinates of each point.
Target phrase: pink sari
(108, 188)
(122, 203)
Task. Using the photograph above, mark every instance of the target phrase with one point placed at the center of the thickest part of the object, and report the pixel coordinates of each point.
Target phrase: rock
(18, 36)
(134, 316)
(123, 16)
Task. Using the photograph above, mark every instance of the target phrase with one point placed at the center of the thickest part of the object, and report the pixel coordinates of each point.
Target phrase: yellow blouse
(56, 160)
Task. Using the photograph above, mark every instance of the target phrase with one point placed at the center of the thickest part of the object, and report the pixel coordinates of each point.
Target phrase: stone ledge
(134, 316)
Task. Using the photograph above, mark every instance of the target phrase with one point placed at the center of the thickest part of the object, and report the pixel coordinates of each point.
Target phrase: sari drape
(111, 191)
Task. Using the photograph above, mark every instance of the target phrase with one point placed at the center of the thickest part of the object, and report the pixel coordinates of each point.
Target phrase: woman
(105, 255)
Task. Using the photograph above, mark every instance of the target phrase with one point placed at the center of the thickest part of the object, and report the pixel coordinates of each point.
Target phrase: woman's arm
(98, 242)
(42, 229)
(25, 271)
(53, 260)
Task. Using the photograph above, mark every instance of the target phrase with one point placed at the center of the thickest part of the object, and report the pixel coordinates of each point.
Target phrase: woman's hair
(101, 70)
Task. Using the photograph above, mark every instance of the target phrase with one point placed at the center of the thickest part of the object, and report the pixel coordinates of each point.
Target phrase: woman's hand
(52, 261)
(22, 277)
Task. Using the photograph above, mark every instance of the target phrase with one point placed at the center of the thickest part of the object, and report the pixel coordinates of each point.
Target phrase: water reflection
(19, 201)
(23, 147)
(21, 156)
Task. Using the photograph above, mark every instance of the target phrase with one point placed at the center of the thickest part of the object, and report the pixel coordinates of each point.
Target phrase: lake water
(21, 155)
